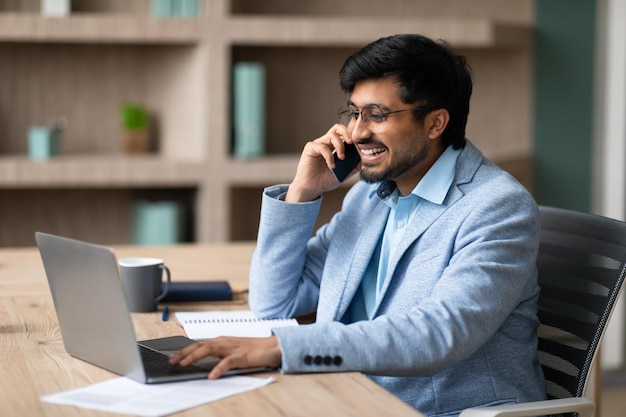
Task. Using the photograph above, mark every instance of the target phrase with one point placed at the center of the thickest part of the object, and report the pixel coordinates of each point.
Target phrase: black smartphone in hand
(343, 167)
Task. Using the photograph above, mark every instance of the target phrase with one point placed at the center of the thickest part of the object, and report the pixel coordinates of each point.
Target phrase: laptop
(95, 323)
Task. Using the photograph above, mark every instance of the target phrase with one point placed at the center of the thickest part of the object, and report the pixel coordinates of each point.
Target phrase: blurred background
(160, 121)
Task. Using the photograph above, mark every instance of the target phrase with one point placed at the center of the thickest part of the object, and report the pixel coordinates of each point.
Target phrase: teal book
(157, 223)
(248, 110)
(161, 8)
(185, 8)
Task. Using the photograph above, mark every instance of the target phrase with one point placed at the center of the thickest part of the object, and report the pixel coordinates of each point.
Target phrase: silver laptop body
(93, 315)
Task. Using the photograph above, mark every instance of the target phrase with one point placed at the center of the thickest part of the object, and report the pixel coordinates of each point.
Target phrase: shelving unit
(110, 51)
(99, 171)
(94, 29)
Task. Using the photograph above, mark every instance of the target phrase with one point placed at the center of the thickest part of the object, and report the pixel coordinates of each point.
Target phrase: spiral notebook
(243, 323)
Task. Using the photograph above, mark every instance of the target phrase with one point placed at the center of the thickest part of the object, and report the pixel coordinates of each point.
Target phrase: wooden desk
(34, 362)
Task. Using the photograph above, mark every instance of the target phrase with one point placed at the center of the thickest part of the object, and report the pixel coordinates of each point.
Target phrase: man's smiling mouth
(372, 151)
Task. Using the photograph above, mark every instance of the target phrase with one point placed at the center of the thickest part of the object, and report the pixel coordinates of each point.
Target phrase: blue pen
(166, 312)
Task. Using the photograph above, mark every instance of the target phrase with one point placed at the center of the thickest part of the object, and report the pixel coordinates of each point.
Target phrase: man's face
(396, 149)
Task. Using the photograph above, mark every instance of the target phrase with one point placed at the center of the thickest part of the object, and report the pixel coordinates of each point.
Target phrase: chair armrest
(581, 405)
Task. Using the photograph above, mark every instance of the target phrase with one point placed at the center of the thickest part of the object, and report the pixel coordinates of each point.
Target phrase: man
(426, 279)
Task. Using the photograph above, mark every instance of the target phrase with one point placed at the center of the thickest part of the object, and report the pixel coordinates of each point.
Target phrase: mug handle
(167, 283)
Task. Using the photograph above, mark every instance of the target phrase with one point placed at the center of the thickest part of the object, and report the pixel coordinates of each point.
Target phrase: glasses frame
(352, 113)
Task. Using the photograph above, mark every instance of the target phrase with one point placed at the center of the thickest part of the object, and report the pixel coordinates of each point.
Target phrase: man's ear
(437, 121)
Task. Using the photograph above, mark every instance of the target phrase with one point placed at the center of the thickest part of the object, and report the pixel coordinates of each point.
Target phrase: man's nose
(360, 130)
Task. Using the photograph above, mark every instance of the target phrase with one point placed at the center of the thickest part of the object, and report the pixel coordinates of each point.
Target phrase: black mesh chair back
(581, 270)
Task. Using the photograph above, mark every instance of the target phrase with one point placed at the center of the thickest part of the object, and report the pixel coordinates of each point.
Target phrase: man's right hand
(313, 175)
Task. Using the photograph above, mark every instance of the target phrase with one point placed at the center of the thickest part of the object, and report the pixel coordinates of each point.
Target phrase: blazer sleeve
(285, 274)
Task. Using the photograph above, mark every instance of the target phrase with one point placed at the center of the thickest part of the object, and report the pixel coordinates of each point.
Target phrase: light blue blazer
(456, 323)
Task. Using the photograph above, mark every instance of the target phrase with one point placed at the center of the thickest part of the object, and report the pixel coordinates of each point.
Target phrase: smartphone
(343, 167)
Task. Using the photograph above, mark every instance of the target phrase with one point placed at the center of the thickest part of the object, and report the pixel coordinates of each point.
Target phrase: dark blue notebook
(198, 291)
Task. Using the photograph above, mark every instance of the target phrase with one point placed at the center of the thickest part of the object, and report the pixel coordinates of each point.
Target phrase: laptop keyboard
(155, 364)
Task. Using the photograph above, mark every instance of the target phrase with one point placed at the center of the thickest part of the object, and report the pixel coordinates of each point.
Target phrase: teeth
(373, 151)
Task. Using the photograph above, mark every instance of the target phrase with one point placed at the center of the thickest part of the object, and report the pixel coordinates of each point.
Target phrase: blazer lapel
(358, 259)
(427, 214)
(467, 164)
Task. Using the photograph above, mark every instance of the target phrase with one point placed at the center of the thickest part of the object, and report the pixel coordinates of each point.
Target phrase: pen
(166, 312)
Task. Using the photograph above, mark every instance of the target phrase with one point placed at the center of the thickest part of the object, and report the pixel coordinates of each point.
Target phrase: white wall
(609, 163)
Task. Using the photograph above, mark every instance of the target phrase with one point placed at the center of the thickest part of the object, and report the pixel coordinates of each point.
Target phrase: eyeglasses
(369, 113)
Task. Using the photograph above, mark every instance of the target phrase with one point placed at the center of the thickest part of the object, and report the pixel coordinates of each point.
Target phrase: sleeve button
(337, 360)
(308, 360)
(317, 360)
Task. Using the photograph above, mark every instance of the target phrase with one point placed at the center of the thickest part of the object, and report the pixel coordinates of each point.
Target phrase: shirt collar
(433, 186)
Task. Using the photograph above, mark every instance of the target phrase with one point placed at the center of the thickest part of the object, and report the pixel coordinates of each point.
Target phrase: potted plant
(135, 128)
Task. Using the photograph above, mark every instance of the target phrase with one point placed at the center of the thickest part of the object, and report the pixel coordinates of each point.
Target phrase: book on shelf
(157, 222)
(175, 8)
(248, 109)
(204, 325)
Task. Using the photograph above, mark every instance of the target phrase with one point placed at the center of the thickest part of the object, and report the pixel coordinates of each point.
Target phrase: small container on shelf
(44, 142)
(56, 8)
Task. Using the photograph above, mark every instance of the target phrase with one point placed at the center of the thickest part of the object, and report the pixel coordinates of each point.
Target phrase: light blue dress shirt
(432, 187)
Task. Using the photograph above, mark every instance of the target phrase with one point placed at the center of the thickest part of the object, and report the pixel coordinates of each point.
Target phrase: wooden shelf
(99, 171)
(19, 27)
(271, 169)
(335, 31)
(112, 51)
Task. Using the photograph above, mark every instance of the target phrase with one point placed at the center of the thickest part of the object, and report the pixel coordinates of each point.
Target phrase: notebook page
(243, 323)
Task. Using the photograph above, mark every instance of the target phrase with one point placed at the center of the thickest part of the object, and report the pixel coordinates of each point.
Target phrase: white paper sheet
(125, 396)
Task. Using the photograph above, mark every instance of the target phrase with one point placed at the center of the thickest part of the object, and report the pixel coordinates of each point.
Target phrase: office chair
(582, 264)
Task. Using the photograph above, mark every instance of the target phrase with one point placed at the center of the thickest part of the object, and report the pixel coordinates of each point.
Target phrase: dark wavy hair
(430, 74)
